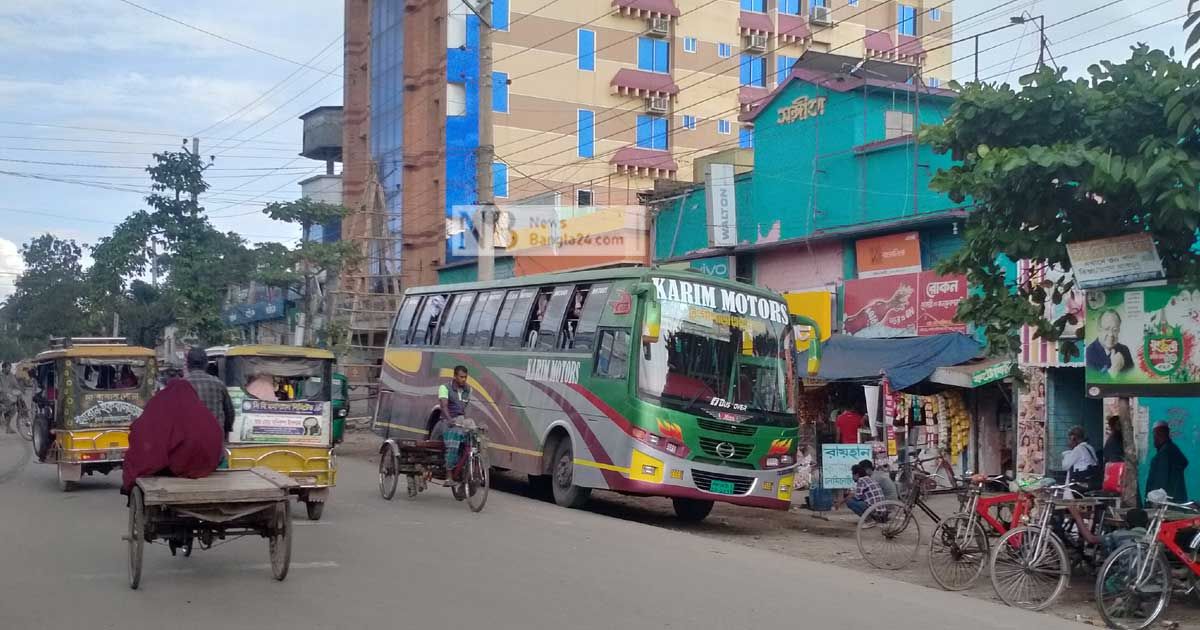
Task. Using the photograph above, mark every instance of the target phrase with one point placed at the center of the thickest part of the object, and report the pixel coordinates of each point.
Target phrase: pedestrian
(881, 477)
(848, 423)
(1166, 469)
(865, 494)
(1114, 446)
(10, 393)
(210, 389)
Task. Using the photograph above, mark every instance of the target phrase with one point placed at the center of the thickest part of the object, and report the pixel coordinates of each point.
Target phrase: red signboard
(882, 307)
(904, 305)
(938, 302)
(888, 255)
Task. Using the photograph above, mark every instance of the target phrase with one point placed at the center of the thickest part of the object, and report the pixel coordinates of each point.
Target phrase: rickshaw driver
(453, 399)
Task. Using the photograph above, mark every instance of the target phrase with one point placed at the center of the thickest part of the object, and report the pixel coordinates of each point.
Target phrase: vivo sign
(721, 206)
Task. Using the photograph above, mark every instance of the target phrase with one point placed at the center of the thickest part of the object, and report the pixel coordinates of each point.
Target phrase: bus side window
(541, 307)
(426, 325)
(483, 318)
(612, 353)
(551, 324)
(570, 324)
(456, 322)
(404, 321)
(583, 329)
(496, 337)
(515, 329)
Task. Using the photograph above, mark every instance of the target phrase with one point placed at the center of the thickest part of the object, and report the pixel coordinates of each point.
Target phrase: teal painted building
(835, 160)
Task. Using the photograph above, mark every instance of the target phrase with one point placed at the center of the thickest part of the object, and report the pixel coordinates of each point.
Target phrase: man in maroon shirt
(848, 423)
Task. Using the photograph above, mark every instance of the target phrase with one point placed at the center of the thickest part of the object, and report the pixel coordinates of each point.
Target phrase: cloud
(11, 264)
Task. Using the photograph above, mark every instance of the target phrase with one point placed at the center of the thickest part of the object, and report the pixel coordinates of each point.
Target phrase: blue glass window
(500, 92)
(689, 121)
(723, 127)
(500, 15)
(852, 3)
(816, 3)
(745, 138)
(690, 44)
(753, 70)
(783, 67)
(653, 54)
(935, 14)
(587, 49)
(790, 7)
(499, 179)
(935, 82)
(906, 19)
(586, 132)
(652, 132)
(724, 51)
(754, 5)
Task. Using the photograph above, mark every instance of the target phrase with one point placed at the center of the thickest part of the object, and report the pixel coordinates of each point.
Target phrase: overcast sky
(71, 69)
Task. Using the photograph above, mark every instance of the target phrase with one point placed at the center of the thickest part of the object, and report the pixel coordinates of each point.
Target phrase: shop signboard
(816, 305)
(1142, 341)
(938, 303)
(904, 305)
(716, 266)
(836, 460)
(1111, 261)
(991, 374)
(888, 255)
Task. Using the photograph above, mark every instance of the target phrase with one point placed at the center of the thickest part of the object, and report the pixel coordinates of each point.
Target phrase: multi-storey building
(593, 100)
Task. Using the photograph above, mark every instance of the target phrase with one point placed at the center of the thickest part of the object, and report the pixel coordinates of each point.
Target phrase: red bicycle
(960, 546)
(1134, 585)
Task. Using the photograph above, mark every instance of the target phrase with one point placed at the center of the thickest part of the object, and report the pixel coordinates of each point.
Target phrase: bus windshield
(730, 366)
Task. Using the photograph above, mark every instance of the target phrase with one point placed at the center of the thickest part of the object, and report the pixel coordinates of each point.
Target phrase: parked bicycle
(960, 545)
(888, 534)
(24, 419)
(1134, 585)
(1030, 566)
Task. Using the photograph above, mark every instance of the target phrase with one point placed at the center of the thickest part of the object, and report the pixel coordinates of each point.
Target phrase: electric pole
(484, 192)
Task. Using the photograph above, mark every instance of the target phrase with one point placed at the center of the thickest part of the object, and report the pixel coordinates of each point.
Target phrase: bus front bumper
(658, 473)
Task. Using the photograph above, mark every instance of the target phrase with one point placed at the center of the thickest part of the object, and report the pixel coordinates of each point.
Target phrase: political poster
(1142, 341)
(300, 423)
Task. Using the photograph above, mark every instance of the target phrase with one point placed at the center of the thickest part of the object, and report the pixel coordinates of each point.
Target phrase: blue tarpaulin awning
(905, 362)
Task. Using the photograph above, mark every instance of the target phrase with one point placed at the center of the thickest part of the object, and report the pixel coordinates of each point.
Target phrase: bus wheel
(691, 510)
(566, 493)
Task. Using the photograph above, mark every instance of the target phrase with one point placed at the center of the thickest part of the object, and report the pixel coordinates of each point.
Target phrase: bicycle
(1029, 565)
(888, 535)
(960, 546)
(1134, 584)
(24, 419)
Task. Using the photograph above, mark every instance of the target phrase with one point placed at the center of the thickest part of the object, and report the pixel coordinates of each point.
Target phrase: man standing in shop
(848, 423)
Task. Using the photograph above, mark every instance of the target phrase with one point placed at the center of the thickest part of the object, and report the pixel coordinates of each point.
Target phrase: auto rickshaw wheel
(281, 540)
(64, 484)
(41, 438)
(315, 509)
(137, 539)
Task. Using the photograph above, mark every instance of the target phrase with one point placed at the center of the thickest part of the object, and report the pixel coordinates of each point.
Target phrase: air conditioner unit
(757, 43)
(660, 26)
(820, 15)
(658, 104)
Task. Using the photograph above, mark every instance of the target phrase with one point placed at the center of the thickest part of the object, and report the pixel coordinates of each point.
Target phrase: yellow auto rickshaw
(87, 391)
(282, 396)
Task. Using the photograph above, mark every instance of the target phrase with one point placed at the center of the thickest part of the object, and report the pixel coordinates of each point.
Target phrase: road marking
(311, 523)
(239, 568)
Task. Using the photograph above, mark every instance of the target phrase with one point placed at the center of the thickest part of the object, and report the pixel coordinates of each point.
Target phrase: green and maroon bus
(639, 380)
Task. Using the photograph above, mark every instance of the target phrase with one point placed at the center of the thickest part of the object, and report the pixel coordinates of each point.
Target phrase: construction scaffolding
(369, 291)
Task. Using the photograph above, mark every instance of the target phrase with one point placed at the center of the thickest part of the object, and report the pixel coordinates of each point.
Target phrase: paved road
(430, 563)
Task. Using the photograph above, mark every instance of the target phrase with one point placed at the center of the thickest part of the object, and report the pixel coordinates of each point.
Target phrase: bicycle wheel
(958, 550)
(1125, 601)
(388, 476)
(1029, 568)
(889, 535)
(24, 422)
(478, 480)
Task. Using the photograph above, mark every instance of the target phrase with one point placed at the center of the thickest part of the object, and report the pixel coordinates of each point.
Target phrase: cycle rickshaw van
(87, 393)
(283, 404)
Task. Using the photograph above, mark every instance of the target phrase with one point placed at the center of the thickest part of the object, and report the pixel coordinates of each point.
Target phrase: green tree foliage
(174, 240)
(1062, 161)
(49, 295)
(309, 261)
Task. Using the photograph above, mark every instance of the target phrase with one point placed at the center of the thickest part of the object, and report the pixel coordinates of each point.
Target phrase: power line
(225, 39)
(127, 132)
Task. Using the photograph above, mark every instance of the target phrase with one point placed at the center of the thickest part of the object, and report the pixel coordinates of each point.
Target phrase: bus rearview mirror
(651, 321)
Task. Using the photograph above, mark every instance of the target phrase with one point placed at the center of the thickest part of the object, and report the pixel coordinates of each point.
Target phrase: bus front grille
(713, 447)
(704, 480)
(725, 427)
